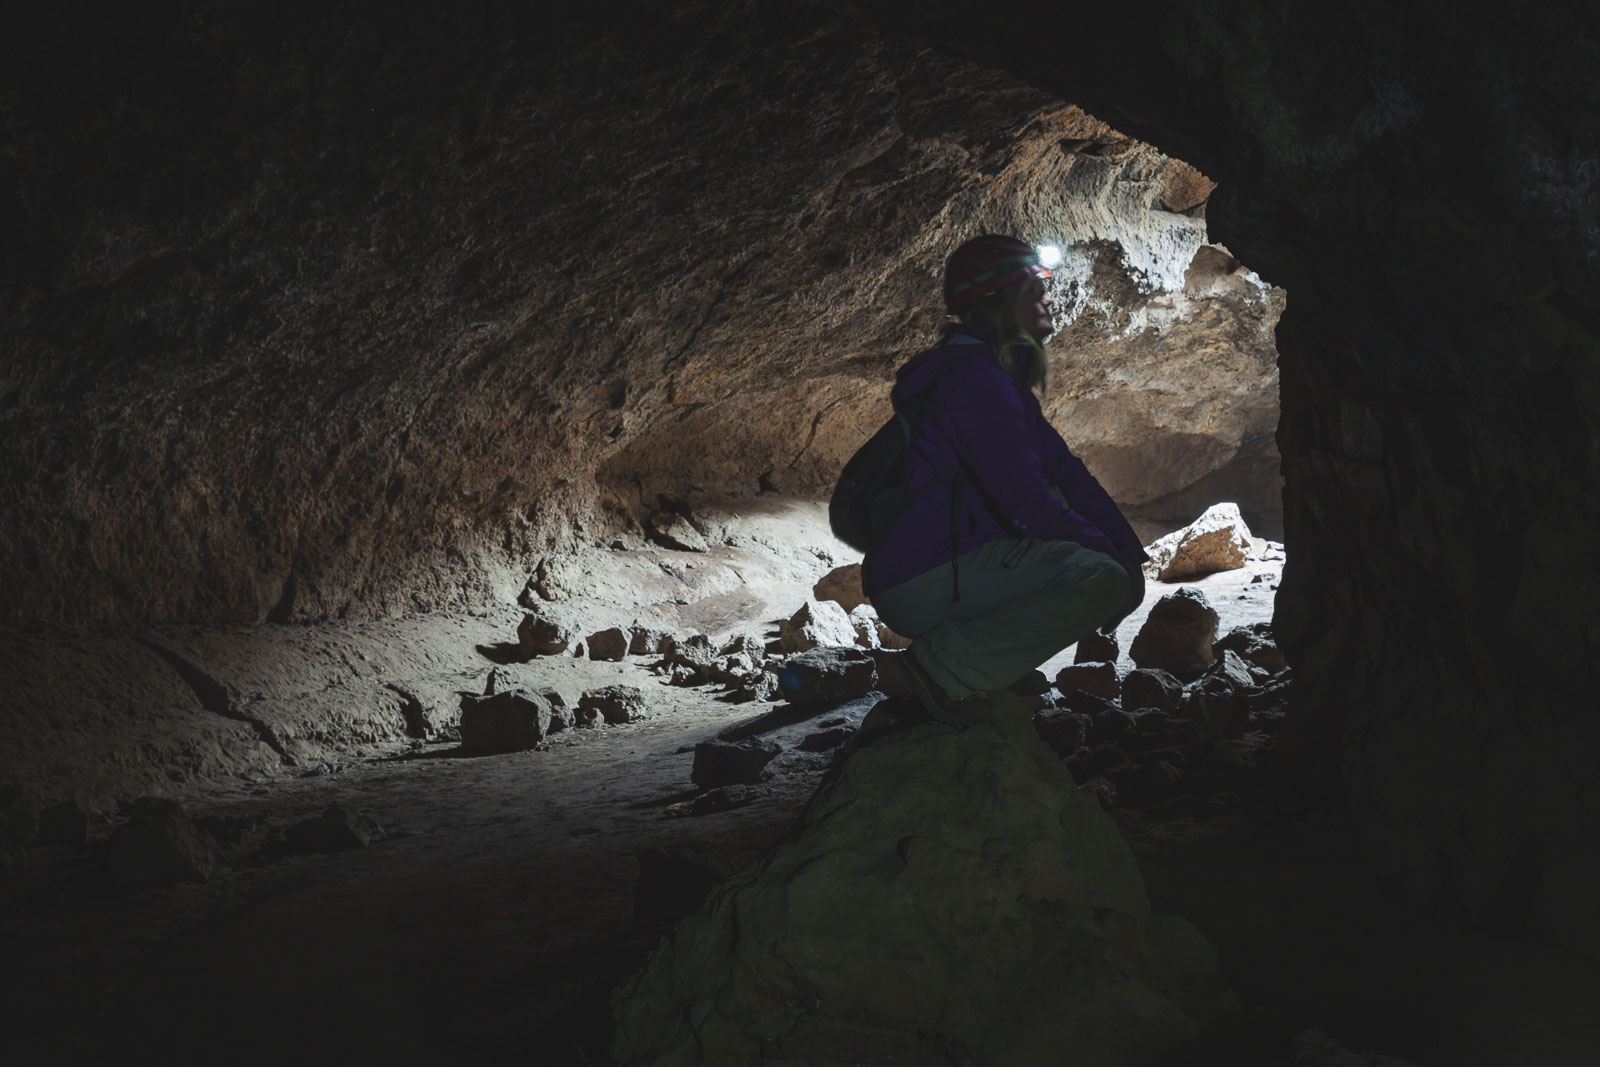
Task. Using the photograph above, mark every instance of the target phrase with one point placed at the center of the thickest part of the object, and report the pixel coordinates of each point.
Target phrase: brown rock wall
(320, 313)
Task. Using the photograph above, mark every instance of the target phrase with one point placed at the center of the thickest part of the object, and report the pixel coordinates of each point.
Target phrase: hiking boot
(906, 675)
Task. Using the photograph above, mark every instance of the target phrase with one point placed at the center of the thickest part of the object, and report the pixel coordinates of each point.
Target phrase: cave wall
(355, 310)
(1423, 183)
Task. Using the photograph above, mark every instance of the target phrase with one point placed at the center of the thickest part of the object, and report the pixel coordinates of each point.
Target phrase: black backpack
(872, 490)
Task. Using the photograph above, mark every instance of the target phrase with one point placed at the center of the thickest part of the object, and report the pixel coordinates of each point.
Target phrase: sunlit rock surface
(949, 898)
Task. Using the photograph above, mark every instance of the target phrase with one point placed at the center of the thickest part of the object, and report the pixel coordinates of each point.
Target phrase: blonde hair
(1019, 354)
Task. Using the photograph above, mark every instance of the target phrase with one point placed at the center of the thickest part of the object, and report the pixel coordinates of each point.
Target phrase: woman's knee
(1110, 586)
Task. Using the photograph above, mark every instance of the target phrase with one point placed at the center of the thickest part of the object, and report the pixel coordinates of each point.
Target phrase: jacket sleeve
(1084, 494)
(994, 436)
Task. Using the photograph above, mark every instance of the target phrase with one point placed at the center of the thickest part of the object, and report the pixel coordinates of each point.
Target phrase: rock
(1034, 683)
(610, 644)
(1108, 726)
(543, 634)
(842, 585)
(826, 740)
(1217, 541)
(674, 881)
(720, 763)
(671, 530)
(615, 703)
(693, 660)
(865, 621)
(887, 638)
(817, 623)
(1235, 670)
(892, 913)
(508, 721)
(1151, 687)
(759, 685)
(1099, 760)
(1064, 731)
(62, 824)
(744, 644)
(158, 847)
(1254, 643)
(827, 674)
(1099, 679)
(1218, 707)
(1096, 647)
(646, 640)
(731, 670)
(338, 828)
(1178, 634)
(1313, 1048)
(712, 801)
(1088, 704)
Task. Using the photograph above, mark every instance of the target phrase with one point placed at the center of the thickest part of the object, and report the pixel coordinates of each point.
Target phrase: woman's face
(1033, 311)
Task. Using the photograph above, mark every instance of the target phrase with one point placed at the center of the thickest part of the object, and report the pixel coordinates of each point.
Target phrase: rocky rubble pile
(1196, 717)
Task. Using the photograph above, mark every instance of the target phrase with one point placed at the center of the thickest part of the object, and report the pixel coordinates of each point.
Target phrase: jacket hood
(968, 339)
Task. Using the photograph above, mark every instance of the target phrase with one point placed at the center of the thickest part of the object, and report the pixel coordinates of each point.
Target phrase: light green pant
(1022, 601)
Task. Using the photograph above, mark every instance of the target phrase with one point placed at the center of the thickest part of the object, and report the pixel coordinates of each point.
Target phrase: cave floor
(489, 920)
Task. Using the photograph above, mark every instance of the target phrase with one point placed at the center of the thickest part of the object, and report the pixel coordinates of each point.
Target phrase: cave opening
(417, 425)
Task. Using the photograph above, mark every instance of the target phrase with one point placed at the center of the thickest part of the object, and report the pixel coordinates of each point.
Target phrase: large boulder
(817, 623)
(1178, 634)
(913, 918)
(1217, 541)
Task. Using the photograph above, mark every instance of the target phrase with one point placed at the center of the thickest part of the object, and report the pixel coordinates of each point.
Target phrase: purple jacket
(968, 414)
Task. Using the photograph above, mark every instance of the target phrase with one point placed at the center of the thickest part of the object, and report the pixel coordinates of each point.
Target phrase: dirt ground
(488, 921)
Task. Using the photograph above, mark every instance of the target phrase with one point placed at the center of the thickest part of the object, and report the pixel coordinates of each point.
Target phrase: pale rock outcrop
(913, 920)
(818, 622)
(867, 625)
(1177, 635)
(1217, 541)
